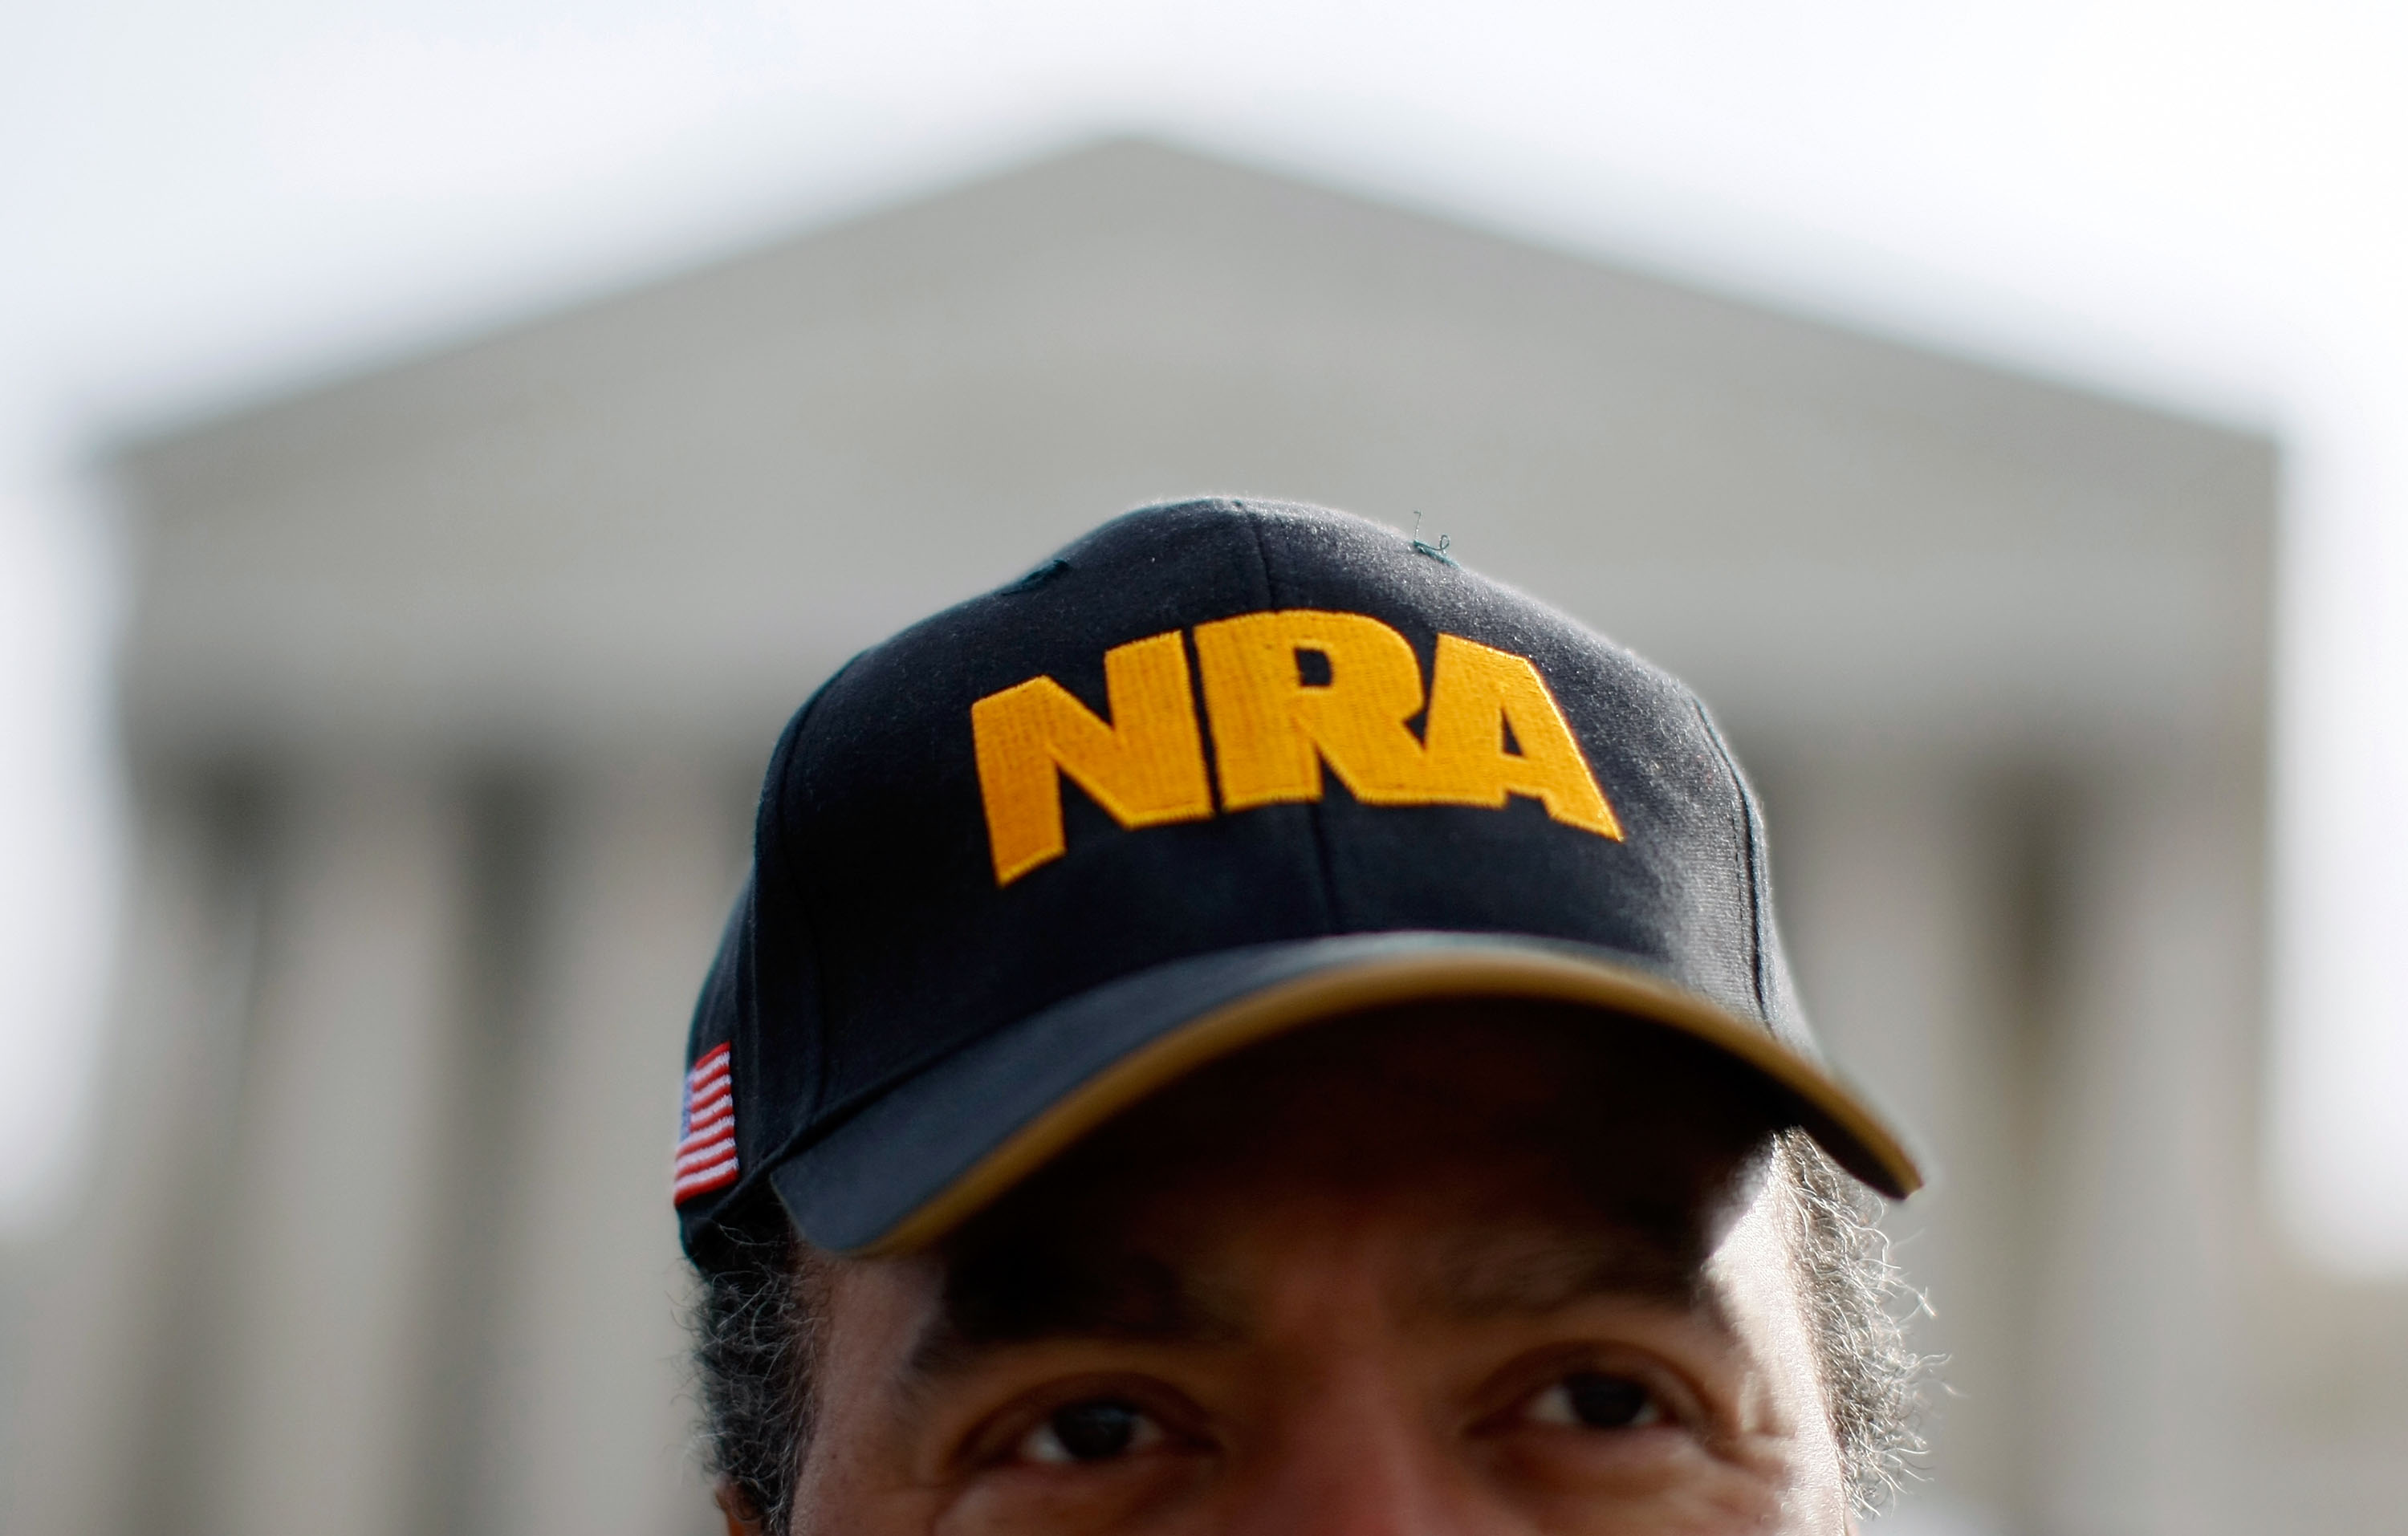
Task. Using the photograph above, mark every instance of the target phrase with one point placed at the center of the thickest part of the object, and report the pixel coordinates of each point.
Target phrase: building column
(588, 1418)
(2145, 1376)
(112, 1304)
(1898, 902)
(311, 1425)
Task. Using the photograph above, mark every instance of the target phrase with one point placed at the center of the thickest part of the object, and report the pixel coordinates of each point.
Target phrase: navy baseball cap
(1218, 770)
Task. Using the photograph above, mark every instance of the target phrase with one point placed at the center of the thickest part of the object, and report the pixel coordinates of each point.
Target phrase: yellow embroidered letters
(1477, 693)
(1146, 768)
(1273, 730)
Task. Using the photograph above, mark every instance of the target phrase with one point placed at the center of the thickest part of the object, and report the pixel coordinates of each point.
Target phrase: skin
(1428, 1274)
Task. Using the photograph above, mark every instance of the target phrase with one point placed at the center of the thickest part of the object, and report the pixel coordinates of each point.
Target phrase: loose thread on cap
(1436, 551)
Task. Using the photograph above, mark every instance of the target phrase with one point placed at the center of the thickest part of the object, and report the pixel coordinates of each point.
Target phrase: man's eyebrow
(1532, 1273)
(993, 1300)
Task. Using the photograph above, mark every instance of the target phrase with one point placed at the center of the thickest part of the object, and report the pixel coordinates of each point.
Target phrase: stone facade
(448, 685)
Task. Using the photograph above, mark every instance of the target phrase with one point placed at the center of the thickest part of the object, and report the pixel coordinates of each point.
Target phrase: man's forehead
(1505, 1270)
(1512, 1166)
(1500, 1072)
(1589, 1118)
(1225, 1284)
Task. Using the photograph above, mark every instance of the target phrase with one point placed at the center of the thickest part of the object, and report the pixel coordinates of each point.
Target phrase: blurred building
(449, 684)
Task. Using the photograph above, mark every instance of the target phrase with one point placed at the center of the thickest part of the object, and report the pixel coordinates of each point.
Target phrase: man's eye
(1594, 1401)
(1096, 1430)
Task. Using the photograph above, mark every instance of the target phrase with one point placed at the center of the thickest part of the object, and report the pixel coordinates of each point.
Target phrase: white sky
(2197, 202)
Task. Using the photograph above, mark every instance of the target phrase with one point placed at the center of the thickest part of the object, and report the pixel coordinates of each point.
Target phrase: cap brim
(940, 1146)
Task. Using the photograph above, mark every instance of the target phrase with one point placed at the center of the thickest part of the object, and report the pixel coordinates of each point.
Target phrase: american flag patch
(706, 1149)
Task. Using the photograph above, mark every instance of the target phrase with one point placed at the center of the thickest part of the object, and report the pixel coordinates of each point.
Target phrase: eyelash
(1048, 1443)
(1583, 1397)
(1033, 1435)
(1550, 1392)
(1553, 1400)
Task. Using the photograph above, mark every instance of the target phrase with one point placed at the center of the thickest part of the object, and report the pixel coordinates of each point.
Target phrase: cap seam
(755, 1174)
(743, 1036)
(811, 922)
(1312, 808)
(1747, 830)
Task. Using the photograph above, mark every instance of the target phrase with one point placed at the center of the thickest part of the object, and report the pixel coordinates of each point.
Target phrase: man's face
(1418, 1274)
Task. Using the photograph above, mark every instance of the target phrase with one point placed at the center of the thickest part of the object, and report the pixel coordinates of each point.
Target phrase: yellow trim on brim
(1353, 988)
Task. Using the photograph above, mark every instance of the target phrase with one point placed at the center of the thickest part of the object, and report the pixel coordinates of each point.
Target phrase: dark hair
(758, 1328)
(759, 1318)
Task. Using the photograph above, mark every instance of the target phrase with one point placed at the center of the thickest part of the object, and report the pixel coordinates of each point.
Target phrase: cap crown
(1203, 727)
